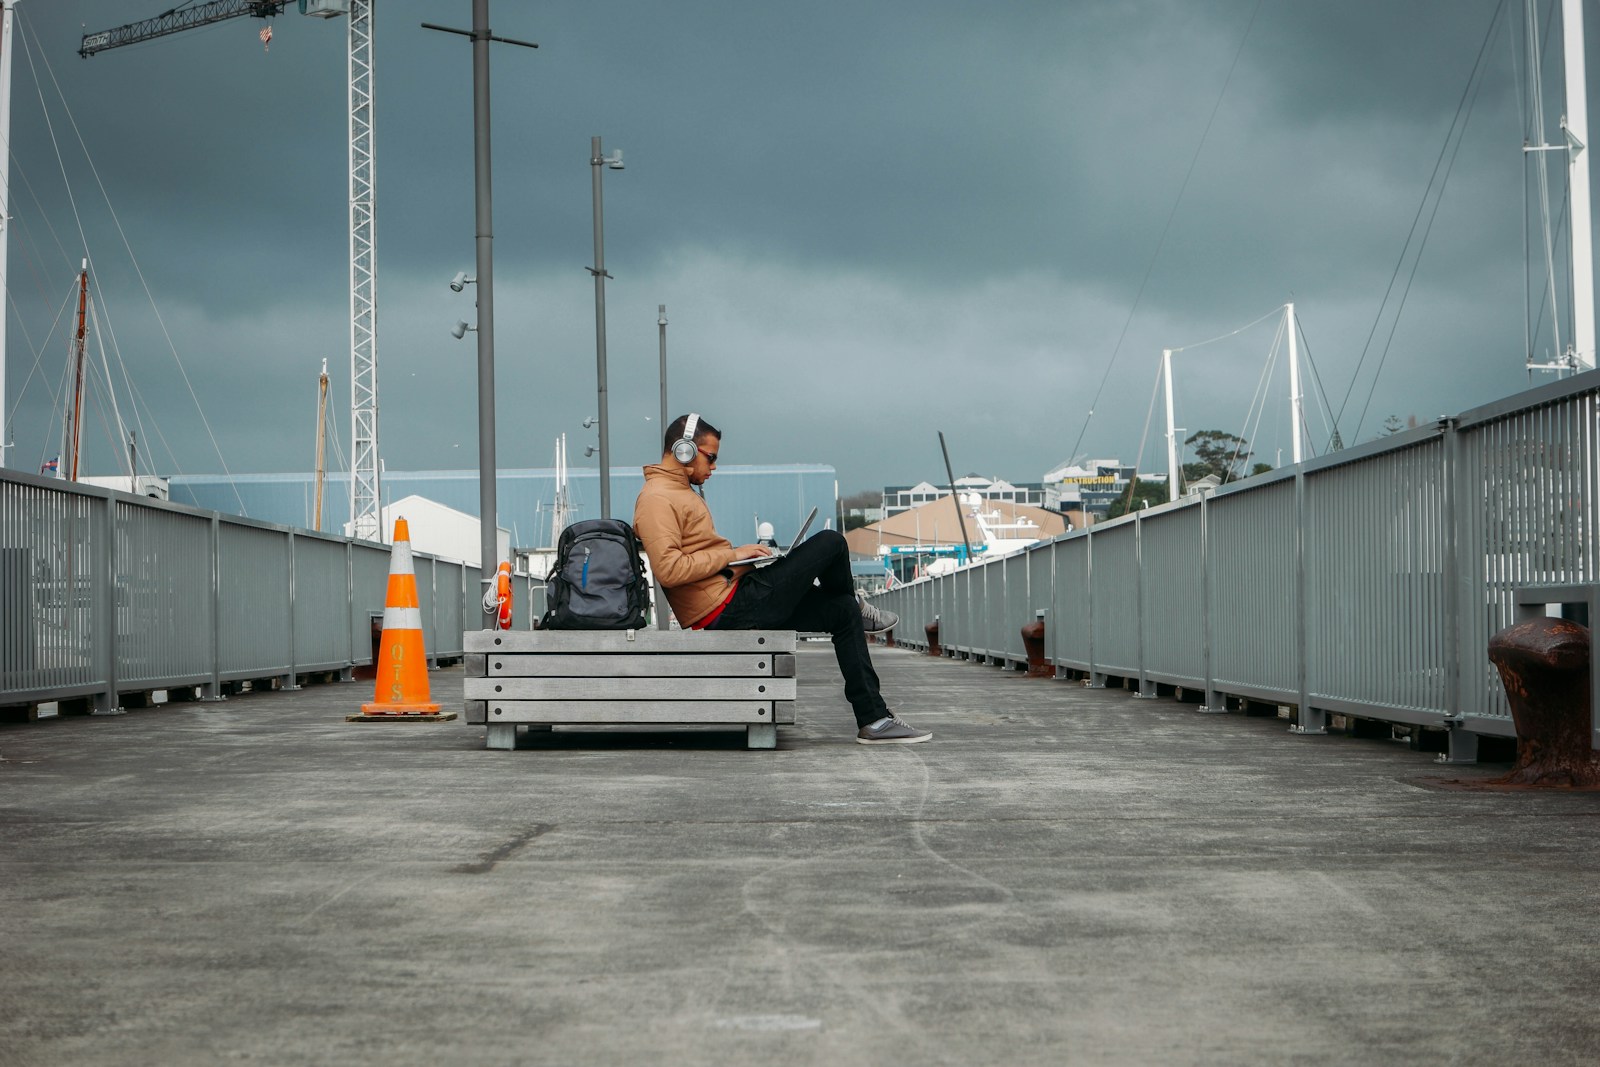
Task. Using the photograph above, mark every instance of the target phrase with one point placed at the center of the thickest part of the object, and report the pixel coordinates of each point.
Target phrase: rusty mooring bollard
(932, 632)
(1544, 664)
(1033, 642)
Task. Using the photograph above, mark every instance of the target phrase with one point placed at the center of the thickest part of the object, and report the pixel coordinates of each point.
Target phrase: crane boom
(365, 467)
(177, 20)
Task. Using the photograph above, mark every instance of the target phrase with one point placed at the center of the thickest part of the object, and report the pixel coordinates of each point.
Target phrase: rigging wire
(1258, 400)
(1532, 111)
(38, 366)
(1162, 240)
(138, 271)
(1143, 440)
(1325, 412)
(111, 392)
(1220, 337)
(1536, 120)
(1444, 149)
(1427, 231)
(1230, 333)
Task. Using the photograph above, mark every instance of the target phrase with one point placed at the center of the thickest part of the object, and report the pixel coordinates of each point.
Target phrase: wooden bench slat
(629, 688)
(596, 712)
(759, 641)
(648, 665)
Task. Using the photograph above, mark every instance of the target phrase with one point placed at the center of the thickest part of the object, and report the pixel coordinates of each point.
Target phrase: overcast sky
(869, 222)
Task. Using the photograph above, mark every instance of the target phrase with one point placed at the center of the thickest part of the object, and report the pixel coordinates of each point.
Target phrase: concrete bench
(547, 678)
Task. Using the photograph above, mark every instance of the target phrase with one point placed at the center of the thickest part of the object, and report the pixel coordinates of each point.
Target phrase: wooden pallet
(547, 678)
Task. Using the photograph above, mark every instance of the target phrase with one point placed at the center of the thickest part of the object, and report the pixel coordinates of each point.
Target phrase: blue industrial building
(739, 497)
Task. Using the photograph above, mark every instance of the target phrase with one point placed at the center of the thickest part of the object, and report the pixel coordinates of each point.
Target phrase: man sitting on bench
(809, 589)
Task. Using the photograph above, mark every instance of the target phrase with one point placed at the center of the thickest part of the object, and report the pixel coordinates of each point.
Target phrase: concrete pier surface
(1063, 876)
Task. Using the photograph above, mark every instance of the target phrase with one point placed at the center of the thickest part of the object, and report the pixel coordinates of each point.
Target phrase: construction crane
(364, 468)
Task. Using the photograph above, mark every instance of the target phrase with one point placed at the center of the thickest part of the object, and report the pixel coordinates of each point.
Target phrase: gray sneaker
(892, 732)
(876, 620)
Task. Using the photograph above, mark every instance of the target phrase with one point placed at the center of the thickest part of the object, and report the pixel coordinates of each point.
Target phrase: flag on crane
(266, 38)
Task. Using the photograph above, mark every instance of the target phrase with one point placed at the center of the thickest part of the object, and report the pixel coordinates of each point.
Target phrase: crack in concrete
(486, 861)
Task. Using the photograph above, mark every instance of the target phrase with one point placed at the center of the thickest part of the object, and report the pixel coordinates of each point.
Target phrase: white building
(438, 530)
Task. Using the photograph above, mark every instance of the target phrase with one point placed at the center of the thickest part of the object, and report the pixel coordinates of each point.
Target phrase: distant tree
(1261, 468)
(1143, 494)
(866, 498)
(1218, 452)
(1392, 425)
(854, 520)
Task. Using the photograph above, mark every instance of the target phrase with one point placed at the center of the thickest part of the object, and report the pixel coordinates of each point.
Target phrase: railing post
(1147, 689)
(1053, 634)
(1096, 679)
(1213, 700)
(213, 689)
(433, 611)
(103, 593)
(1307, 720)
(288, 682)
(1462, 746)
(347, 673)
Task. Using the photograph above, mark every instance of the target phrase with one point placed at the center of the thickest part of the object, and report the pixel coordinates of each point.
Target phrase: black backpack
(598, 580)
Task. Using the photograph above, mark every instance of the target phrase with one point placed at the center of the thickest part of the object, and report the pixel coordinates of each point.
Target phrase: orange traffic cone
(402, 691)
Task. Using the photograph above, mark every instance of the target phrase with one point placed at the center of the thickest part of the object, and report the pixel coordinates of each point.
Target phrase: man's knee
(832, 540)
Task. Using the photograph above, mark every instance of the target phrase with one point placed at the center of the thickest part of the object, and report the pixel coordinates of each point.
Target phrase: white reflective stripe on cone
(402, 618)
(400, 558)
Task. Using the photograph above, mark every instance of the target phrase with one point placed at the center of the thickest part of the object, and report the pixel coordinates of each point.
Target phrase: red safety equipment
(497, 598)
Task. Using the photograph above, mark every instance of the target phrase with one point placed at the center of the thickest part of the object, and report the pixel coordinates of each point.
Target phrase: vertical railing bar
(292, 679)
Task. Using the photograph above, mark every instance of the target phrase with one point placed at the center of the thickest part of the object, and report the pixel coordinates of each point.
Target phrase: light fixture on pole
(458, 283)
(589, 423)
(597, 163)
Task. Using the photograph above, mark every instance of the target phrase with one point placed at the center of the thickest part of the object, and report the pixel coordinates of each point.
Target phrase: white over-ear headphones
(684, 448)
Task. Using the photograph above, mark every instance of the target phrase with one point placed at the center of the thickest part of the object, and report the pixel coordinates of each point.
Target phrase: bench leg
(761, 735)
(502, 735)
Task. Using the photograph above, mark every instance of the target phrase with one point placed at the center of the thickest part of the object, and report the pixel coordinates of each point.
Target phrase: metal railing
(104, 593)
(1366, 582)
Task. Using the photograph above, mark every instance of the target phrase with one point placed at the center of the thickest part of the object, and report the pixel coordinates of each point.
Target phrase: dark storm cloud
(894, 218)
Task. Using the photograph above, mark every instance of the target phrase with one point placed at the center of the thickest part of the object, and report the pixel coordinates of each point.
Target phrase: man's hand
(748, 552)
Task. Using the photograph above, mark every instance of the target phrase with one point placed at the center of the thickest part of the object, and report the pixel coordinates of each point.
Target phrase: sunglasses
(710, 456)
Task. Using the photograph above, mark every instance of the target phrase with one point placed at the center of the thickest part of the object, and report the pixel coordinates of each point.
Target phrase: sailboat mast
(322, 441)
(1576, 127)
(78, 352)
(1172, 431)
(1296, 396)
(6, 19)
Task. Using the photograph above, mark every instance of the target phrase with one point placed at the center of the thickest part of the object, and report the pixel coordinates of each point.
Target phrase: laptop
(767, 561)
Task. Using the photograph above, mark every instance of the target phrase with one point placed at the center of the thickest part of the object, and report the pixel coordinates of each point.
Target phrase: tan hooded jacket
(686, 553)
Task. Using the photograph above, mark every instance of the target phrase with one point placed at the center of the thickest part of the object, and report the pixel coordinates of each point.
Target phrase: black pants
(784, 596)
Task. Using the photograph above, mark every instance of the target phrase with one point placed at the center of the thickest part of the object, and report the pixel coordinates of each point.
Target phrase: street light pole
(483, 199)
(596, 163)
(661, 325)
